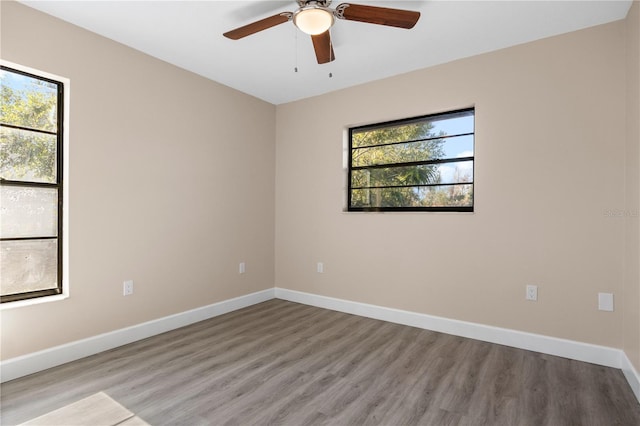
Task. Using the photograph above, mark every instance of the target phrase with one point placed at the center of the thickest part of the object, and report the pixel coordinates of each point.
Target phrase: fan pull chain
(330, 49)
(295, 68)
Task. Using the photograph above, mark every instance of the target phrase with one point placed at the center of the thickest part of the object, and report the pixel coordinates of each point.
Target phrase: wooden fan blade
(378, 15)
(323, 47)
(258, 26)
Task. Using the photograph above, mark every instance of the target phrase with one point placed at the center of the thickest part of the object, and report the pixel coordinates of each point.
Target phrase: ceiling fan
(315, 17)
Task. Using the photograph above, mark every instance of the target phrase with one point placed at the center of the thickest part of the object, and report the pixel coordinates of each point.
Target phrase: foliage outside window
(30, 185)
(417, 164)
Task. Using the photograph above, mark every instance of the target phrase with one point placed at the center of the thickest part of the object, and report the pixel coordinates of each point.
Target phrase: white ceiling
(189, 35)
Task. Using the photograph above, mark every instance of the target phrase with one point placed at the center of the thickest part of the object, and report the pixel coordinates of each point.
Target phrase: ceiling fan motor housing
(321, 3)
(313, 17)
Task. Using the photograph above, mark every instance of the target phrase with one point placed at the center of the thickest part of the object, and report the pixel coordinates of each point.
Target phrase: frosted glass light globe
(313, 21)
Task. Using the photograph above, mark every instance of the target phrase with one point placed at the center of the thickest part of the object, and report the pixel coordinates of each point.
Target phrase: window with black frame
(417, 164)
(31, 141)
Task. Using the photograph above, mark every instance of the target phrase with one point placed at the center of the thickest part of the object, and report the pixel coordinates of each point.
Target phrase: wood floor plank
(282, 363)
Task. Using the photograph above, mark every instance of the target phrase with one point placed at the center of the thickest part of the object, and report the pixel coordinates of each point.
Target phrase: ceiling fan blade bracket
(339, 10)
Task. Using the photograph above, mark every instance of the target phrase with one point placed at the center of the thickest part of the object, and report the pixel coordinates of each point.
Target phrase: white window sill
(35, 301)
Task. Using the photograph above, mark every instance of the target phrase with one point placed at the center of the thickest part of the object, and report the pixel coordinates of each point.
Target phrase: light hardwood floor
(285, 363)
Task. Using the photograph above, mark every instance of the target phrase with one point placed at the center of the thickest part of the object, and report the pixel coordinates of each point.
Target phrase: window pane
(459, 172)
(28, 266)
(28, 102)
(399, 133)
(402, 153)
(421, 128)
(458, 146)
(396, 176)
(385, 197)
(28, 212)
(455, 124)
(27, 156)
(447, 196)
(437, 196)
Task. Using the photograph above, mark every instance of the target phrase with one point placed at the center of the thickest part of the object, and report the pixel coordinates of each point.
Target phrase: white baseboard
(631, 375)
(579, 351)
(41, 360)
(602, 355)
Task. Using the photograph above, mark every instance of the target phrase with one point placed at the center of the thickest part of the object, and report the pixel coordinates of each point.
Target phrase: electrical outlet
(127, 288)
(242, 268)
(532, 293)
(320, 268)
(605, 302)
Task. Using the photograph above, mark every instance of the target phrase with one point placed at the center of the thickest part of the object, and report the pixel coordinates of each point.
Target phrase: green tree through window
(28, 103)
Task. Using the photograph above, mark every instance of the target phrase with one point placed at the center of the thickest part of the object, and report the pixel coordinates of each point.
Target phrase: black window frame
(59, 185)
(374, 126)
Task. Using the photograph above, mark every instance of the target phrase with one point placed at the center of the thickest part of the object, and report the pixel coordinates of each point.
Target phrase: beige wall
(171, 185)
(631, 308)
(550, 143)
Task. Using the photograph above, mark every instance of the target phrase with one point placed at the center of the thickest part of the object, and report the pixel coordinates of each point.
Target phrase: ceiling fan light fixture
(313, 20)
